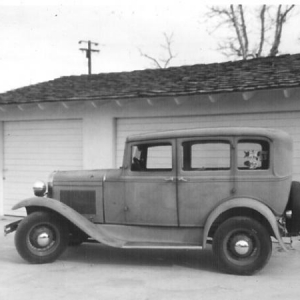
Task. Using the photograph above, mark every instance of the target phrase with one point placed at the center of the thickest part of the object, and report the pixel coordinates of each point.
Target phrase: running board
(132, 245)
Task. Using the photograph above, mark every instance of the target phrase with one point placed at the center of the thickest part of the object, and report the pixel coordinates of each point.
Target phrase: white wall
(98, 141)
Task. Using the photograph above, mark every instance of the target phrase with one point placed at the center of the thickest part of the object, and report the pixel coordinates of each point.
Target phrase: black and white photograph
(149, 150)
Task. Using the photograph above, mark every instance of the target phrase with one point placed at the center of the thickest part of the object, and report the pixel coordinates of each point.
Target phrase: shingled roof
(237, 76)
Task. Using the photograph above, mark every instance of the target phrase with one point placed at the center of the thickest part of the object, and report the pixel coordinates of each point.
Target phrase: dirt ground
(92, 271)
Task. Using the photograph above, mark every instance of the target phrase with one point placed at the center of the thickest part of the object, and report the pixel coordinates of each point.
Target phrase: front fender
(246, 203)
(91, 229)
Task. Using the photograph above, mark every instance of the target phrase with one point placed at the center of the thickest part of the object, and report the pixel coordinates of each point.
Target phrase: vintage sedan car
(231, 187)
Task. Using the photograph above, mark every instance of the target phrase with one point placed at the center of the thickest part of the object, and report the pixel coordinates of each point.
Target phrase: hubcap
(241, 247)
(43, 239)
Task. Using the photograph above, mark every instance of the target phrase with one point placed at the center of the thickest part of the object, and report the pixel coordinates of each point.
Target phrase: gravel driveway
(92, 271)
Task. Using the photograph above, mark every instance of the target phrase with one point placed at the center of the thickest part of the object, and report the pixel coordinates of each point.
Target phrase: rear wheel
(41, 237)
(242, 246)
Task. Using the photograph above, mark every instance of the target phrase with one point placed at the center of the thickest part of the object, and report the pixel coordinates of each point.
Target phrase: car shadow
(100, 254)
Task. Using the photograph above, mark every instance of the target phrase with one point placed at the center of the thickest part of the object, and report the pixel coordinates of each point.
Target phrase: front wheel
(41, 237)
(242, 246)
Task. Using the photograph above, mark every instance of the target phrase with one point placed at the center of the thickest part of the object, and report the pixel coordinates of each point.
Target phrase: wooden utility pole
(88, 52)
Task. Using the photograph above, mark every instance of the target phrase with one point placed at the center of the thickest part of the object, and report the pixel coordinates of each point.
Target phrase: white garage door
(289, 122)
(32, 150)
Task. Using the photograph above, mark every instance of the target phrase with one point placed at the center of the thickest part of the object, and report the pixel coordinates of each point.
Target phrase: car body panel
(151, 200)
(81, 190)
(74, 217)
(199, 191)
(243, 203)
(151, 195)
(118, 235)
(114, 198)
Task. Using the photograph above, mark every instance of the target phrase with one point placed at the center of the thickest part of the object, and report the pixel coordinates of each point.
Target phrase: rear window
(253, 155)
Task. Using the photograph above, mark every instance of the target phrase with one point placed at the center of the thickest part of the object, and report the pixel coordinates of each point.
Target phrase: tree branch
(267, 29)
(162, 63)
(262, 30)
(244, 30)
(155, 61)
(237, 30)
(280, 20)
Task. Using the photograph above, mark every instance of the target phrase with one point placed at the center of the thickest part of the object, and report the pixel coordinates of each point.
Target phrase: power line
(88, 52)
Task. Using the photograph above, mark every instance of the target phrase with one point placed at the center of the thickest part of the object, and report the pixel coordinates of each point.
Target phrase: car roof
(212, 132)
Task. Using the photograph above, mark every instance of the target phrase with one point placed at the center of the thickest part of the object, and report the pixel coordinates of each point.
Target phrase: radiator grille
(83, 202)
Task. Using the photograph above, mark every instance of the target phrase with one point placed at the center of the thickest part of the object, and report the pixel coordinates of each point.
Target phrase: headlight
(39, 188)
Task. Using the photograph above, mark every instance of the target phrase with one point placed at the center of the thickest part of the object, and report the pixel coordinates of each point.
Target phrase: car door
(150, 184)
(205, 177)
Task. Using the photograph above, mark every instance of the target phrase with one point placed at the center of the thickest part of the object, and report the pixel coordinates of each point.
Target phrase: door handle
(182, 179)
(169, 179)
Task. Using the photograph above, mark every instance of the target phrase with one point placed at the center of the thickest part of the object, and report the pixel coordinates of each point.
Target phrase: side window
(151, 157)
(253, 155)
(206, 155)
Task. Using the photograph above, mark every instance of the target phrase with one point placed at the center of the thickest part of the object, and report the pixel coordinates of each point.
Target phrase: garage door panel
(14, 151)
(63, 155)
(51, 130)
(31, 157)
(44, 159)
(26, 168)
(40, 132)
(14, 141)
(34, 149)
(37, 124)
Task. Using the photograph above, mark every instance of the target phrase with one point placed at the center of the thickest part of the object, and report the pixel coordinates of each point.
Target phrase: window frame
(254, 139)
(207, 172)
(165, 142)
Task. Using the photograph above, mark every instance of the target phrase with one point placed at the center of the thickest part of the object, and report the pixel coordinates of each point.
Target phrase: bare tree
(266, 28)
(162, 63)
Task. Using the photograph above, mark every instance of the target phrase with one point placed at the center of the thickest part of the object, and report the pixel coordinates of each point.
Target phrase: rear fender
(91, 229)
(243, 203)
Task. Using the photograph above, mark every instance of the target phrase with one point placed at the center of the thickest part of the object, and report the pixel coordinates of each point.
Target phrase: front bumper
(11, 227)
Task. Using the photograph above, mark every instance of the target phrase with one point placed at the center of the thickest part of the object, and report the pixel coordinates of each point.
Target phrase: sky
(40, 39)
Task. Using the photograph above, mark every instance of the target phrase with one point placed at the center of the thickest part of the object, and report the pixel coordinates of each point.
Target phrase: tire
(242, 246)
(41, 238)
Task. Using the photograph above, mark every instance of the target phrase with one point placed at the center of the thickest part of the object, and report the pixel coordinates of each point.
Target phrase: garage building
(81, 122)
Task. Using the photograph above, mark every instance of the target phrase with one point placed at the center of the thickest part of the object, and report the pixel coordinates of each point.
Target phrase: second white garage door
(287, 121)
(32, 150)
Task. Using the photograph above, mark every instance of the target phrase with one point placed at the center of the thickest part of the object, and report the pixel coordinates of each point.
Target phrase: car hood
(88, 176)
